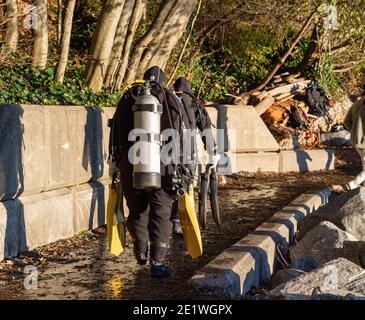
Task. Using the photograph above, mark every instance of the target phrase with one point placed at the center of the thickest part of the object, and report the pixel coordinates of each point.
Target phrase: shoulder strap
(189, 110)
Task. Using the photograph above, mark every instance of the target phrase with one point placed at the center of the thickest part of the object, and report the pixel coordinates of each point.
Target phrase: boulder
(337, 112)
(284, 275)
(346, 211)
(338, 138)
(339, 279)
(320, 245)
(353, 251)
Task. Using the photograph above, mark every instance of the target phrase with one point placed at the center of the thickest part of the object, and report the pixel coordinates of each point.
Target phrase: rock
(346, 211)
(319, 246)
(337, 112)
(339, 279)
(336, 138)
(353, 251)
(283, 276)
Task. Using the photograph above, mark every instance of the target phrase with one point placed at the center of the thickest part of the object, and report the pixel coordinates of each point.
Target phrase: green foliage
(85, 17)
(208, 81)
(324, 75)
(244, 60)
(28, 85)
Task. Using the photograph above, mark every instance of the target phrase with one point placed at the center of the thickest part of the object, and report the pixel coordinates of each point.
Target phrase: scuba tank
(147, 112)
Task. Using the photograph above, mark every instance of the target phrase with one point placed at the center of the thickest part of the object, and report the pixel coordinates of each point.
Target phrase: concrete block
(234, 271)
(250, 162)
(48, 147)
(251, 262)
(89, 206)
(290, 219)
(32, 221)
(106, 114)
(245, 128)
(75, 145)
(47, 217)
(90, 203)
(306, 160)
(24, 150)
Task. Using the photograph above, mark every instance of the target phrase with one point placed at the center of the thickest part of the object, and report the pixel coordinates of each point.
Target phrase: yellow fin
(190, 225)
(115, 228)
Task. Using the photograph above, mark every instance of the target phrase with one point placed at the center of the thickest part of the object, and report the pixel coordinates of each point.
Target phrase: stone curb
(251, 261)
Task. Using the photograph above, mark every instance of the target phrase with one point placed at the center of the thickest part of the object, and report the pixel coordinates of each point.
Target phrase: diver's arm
(204, 124)
(348, 120)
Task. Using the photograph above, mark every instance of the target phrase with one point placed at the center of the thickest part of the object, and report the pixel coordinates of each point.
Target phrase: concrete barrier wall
(50, 147)
(53, 166)
(35, 220)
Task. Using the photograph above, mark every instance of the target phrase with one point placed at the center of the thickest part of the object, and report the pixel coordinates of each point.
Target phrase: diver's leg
(160, 229)
(137, 219)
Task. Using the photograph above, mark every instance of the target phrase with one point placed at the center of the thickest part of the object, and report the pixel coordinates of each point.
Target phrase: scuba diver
(199, 120)
(150, 187)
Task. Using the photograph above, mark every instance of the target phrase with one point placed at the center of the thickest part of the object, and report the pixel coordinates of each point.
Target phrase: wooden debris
(275, 115)
(282, 106)
(290, 88)
(265, 104)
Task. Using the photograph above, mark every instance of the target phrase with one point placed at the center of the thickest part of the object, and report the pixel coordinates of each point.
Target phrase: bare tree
(40, 47)
(102, 43)
(12, 34)
(65, 44)
(59, 22)
(119, 40)
(147, 38)
(174, 28)
(132, 28)
(159, 48)
(181, 55)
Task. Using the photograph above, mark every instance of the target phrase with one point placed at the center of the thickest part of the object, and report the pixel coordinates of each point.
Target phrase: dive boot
(159, 270)
(141, 253)
(176, 227)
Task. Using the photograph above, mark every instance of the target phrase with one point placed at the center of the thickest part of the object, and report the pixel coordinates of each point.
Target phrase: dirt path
(82, 268)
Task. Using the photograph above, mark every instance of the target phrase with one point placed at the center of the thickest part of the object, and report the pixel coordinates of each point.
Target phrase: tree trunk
(185, 45)
(59, 23)
(135, 20)
(176, 26)
(153, 47)
(119, 40)
(310, 53)
(65, 45)
(284, 57)
(40, 48)
(11, 38)
(146, 39)
(102, 43)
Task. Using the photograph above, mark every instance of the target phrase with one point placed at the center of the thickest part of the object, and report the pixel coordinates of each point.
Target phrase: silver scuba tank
(147, 112)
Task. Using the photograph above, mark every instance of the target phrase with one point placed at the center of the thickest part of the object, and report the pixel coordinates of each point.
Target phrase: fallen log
(283, 96)
(287, 96)
(289, 88)
(265, 104)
